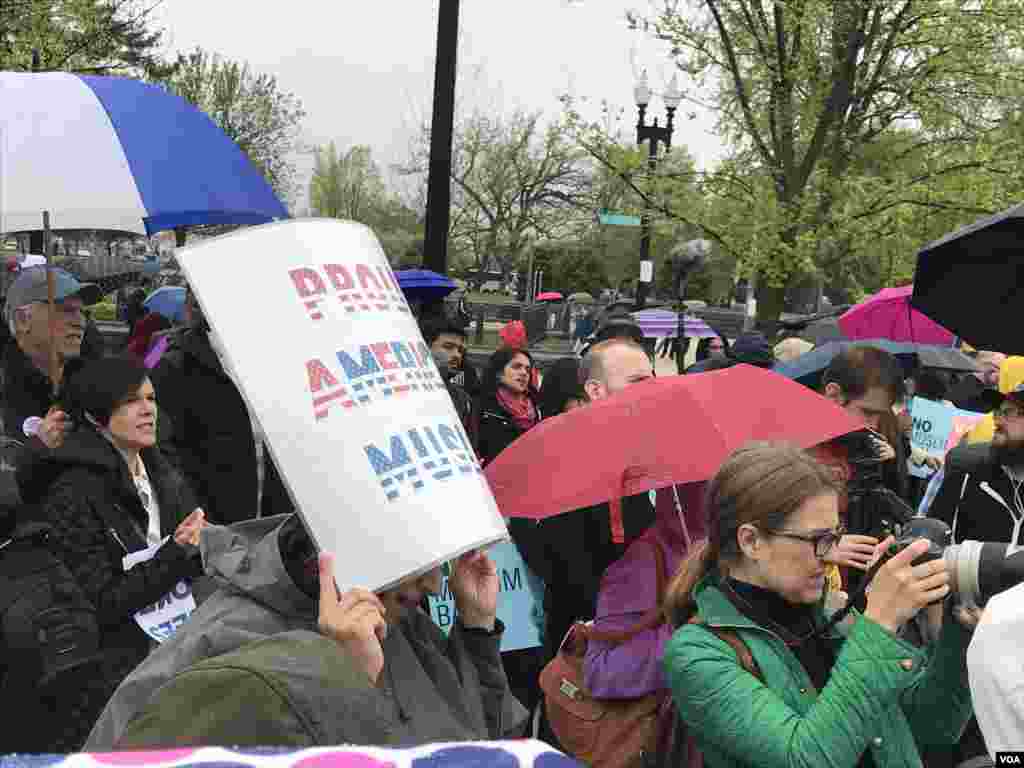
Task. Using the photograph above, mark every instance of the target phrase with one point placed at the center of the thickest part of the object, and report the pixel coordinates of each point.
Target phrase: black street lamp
(653, 135)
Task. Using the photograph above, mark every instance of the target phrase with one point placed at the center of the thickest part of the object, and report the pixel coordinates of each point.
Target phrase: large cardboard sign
(937, 428)
(323, 346)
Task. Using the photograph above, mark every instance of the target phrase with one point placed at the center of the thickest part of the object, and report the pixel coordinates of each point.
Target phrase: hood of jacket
(83, 448)
(247, 558)
(259, 596)
(972, 458)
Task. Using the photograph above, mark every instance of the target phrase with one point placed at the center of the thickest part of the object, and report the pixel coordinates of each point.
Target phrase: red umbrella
(675, 429)
(888, 315)
(549, 296)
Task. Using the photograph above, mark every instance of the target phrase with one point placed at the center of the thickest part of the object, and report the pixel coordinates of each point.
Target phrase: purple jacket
(629, 592)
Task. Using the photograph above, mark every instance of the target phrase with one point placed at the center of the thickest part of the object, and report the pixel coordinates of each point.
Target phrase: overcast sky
(364, 70)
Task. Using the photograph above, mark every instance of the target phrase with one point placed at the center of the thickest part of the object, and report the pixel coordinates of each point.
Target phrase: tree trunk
(770, 301)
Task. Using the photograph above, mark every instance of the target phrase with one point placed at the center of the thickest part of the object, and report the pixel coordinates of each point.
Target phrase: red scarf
(520, 408)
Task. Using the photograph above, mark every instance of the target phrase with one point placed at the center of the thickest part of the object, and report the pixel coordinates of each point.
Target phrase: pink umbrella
(549, 296)
(888, 315)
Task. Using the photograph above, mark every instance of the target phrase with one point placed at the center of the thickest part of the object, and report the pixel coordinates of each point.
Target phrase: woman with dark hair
(809, 694)
(561, 389)
(712, 346)
(507, 409)
(508, 401)
(107, 494)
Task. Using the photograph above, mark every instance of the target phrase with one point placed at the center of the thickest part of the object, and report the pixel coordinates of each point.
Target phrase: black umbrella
(970, 282)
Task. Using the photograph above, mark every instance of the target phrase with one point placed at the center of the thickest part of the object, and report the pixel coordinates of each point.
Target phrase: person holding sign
(123, 521)
(355, 667)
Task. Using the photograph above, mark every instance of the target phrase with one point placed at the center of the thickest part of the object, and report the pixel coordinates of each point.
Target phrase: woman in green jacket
(819, 699)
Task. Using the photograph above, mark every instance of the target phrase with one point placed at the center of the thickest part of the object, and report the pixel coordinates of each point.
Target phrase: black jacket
(496, 430)
(26, 391)
(212, 436)
(85, 492)
(964, 504)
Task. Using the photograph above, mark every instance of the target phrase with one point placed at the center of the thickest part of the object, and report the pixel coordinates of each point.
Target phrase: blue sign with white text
(520, 600)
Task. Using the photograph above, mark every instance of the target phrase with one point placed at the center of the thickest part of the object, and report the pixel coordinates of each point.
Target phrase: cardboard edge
(487, 542)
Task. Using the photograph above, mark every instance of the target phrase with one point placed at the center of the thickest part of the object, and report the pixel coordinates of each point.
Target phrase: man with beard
(981, 496)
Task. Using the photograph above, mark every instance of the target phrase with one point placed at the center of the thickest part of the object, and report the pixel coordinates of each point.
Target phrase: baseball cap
(30, 287)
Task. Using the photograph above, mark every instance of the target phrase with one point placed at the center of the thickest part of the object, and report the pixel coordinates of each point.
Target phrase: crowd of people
(724, 604)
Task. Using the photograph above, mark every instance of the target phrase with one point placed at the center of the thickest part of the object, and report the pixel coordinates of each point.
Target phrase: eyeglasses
(822, 541)
(1008, 411)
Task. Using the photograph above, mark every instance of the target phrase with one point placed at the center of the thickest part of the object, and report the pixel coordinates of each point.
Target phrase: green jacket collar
(716, 610)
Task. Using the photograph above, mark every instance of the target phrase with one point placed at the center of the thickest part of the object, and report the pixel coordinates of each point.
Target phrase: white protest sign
(324, 347)
(161, 620)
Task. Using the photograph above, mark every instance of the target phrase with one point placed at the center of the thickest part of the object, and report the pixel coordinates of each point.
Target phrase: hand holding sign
(354, 620)
(474, 582)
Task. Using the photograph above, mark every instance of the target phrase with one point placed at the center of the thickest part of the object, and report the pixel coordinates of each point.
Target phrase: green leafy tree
(806, 94)
(94, 36)
(349, 185)
(250, 107)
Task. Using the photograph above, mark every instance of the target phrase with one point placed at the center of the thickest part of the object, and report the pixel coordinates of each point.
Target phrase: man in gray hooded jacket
(251, 669)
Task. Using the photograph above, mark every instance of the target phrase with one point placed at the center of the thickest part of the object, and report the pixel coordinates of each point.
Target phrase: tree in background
(516, 182)
(807, 92)
(251, 108)
(349, 185)
(346, 186)
(93, 36)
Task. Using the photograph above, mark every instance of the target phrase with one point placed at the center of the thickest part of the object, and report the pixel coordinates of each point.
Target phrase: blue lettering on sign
(435, 460)
(355, 370)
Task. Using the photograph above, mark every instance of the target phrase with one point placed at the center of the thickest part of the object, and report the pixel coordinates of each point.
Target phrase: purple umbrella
(664, 324)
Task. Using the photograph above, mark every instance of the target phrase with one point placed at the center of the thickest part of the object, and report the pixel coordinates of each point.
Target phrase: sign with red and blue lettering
(327, 352)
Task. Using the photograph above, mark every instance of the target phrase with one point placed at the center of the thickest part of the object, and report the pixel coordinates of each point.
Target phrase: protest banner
(329, 357)
(937, 428)
(520, 600)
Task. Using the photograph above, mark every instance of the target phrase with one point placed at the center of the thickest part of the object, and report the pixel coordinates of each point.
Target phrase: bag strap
(739, 646)
(652, 619)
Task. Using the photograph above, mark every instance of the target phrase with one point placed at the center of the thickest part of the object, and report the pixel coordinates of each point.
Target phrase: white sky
(364, 70)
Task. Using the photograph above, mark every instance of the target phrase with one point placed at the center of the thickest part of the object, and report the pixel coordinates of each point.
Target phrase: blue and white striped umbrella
(117, 154)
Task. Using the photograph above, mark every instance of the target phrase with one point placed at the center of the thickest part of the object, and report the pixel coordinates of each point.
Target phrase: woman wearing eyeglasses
(853, 695)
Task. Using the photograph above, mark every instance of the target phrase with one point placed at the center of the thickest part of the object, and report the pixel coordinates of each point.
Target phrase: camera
(873, 508)
(978, 569)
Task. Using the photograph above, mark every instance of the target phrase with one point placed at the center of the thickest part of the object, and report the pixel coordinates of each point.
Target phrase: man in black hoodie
(981, 493)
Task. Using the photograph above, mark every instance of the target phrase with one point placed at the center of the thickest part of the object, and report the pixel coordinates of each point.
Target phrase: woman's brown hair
(762, 484)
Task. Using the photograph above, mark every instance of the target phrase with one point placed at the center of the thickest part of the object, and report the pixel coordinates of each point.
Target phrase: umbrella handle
(51, 296)
(682, 517)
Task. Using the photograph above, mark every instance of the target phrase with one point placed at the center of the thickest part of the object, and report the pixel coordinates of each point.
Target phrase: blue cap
(30, 287)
